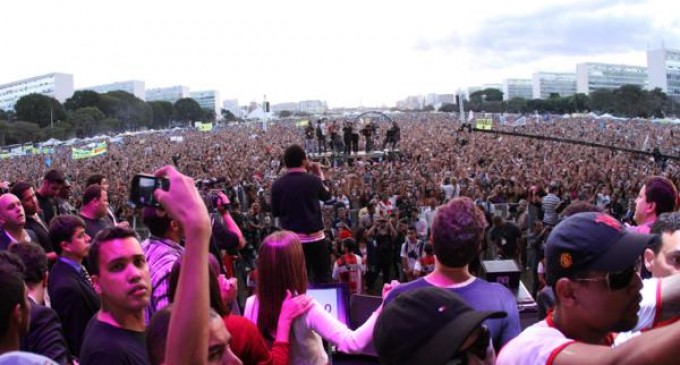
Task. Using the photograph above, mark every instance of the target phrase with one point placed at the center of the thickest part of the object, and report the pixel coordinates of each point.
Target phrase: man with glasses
(433, 326)
(591, 263)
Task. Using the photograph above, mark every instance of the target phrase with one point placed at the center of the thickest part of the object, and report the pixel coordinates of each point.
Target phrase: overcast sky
(348, 52)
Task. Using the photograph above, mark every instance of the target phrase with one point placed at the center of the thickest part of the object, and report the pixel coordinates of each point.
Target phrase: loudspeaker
(505, 272)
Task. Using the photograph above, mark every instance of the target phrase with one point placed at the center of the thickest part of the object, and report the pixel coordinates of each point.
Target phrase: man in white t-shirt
(591, 263)
(411, 251)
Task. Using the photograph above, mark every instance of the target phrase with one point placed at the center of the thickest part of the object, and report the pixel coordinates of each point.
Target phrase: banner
(301, 123)
(204, 127)
(486, 124)
(518, 123)
(80, 153)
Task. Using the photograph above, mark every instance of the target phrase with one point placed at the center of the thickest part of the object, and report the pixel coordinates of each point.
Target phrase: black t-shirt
(93, 226)
(105, 344)
(507, 237)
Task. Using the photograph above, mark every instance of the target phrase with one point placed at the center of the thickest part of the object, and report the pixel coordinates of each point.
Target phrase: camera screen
(146, 187)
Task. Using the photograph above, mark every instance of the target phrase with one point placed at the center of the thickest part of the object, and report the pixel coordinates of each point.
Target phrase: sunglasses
(477, 348)
(615, 280)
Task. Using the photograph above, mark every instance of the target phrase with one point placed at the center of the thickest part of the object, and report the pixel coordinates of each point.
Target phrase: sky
(349, 53)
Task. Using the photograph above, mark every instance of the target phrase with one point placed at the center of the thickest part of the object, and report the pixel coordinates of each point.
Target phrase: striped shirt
(550, 204)
(161, 254)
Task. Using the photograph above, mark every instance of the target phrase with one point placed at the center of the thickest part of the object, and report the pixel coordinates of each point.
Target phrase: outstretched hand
(182, 200)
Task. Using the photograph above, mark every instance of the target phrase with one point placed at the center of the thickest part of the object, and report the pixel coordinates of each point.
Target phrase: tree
(188, 110)
(229, 116)
(82, 99)
(428, 108)
(602, 101)
(3, 115)
(86, 121)
(282, 114)
(516, 105)
(22, 132)
(39, 109)
(630, 100)
(209, 114)
(448, 108)
(162, 113)
(131, 111)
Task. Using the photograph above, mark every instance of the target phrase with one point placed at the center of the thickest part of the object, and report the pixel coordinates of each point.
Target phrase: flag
(644, 145)
(471, 116)
(502, 120)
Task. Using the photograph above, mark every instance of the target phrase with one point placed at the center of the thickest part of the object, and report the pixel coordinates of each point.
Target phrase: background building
(592, 76)
(291, 107)
(208, 99)
(664, 70)
(517, 88)
(171, 94)
(134, 87)
(546, 83)
(56, 85)
(232, 106)
(312, 106)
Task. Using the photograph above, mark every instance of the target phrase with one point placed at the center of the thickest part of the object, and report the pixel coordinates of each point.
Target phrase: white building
(312, 106)
(593, 76)
(232, 106)
(517, 88)
(208, 99)
(546, 83)
(447, 98)
(56, 85)
(134, 87)
(171, 94)
(291, 107)
(664, 70)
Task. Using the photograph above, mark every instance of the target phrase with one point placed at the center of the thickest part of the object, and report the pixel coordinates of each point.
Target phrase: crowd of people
(265, 213)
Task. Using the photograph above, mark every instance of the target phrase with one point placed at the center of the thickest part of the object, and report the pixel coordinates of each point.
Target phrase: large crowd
(282, 207)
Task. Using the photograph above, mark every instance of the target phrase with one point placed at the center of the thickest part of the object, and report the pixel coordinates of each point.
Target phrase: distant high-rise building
(593, 76)
(547, 83)
(171, 94)
(56, 85)
(312, 106)
(517, 88)
(664, 70)
(493, 86)
(290, 106)
(134, 87)
(208, 99)
(232, 106)
(447, 98)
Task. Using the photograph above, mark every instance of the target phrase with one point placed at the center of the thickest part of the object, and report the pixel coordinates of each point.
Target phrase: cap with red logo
(591, 241)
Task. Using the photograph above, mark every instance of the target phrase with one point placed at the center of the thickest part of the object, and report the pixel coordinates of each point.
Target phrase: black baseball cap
(591, 241)
(425, 326)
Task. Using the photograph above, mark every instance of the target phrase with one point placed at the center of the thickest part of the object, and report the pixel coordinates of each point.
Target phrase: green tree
(282, 114)
(656, 101)
(3, 115)
(209, 114)
(162, 113)
(188, 110)
(630, 101)
(448, 108)
(39, 109)
(131, 111)
(516, 105)
(86, 121)
(603, 101)
(82, 99)
(22, 132)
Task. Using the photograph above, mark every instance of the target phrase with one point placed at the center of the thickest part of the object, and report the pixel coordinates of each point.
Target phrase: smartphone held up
(142, 188)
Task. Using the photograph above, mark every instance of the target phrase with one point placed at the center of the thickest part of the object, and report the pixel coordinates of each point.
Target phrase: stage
(362, 155)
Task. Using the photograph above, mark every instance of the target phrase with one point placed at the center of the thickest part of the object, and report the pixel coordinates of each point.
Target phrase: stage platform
(362, 155)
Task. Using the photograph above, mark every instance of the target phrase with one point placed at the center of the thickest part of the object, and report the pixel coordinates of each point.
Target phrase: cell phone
(142, 188)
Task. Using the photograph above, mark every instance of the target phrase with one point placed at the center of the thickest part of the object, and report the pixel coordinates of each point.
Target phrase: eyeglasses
(477, 348)
(615, 280)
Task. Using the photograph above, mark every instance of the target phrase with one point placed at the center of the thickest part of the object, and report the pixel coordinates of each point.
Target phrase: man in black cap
(591, 263)
(433, 326)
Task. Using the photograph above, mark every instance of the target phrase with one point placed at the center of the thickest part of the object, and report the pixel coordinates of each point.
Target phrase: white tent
(51, 142)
